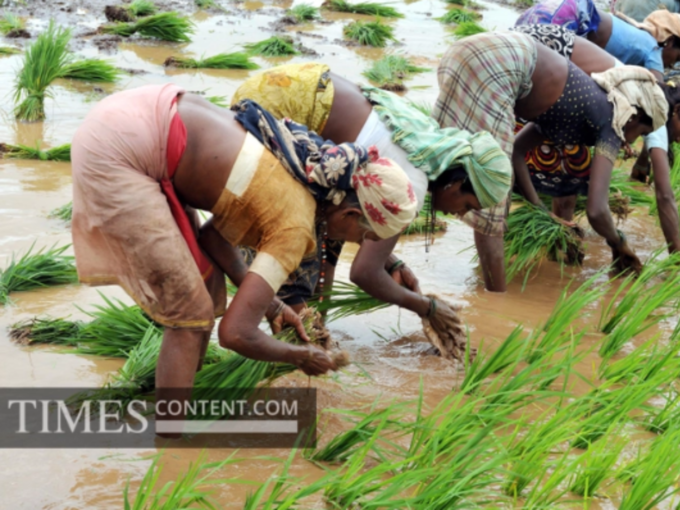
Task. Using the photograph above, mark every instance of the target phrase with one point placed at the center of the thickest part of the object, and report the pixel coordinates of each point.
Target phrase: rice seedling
(644, 362)
(64, 213)
(44, 61)
(389, 72)
(273, 47)
(11, 23)
(370, 8)
(303, 12)
(166, 26)
(33, 270)
(346, 299)
(549, 488)
(139, 8)
(91, 69)
(596, 464)
(534, 235)
(423, 107)
(221, 101)
(457, 16)
(655, 481)
(372, 33)
(468, 28)
(635, 191)
(9, 50)
(190, 490)
(220, 61)
(45, 331)
(60, 153)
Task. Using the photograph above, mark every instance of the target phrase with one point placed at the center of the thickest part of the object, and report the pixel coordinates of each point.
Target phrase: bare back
(349, 111)
(214, 139)
(590, 57)
(604, 31)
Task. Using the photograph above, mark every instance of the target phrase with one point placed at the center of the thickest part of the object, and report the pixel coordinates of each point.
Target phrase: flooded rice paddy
(387, 347)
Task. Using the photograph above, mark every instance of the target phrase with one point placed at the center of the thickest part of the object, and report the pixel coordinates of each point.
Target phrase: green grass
(371, 33)
(91, 69)
(220, 61)
(221, 101)
(370, 8)
(457, 16)
(44, 61)
(140, 8)
(60, 153)
(36, 269)
(9, 50)
(424, 107)
(533, 236)
(303, 12)
(468, 28)
(597, 464)
(45, 331)
(11, 22)
(166, 26)
(345, 300)
(665, 418)
(273, 47)
(390, 71)
(64, 213)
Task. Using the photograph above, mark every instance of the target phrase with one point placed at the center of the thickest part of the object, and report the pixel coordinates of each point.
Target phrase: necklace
(322, 269)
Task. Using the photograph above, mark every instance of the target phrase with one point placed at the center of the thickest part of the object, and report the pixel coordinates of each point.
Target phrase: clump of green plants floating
(468, 28)
(47, 60)
(220, 61)
(370, 8)
(390, 72)
(37, 269)
(60, 153)
(458, 15)
(166, 26)
(275, 46)
(64, 213)
(303, 12)
(370, 33)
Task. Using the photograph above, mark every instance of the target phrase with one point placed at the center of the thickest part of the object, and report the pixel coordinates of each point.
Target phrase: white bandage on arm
(269, 269)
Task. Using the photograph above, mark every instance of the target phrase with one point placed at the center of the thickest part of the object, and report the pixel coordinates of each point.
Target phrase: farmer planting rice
(141, 156)
(487, 79)
(463, 171)
(564, 171)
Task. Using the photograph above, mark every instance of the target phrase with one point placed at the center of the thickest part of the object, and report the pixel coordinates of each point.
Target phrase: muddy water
(387, 345)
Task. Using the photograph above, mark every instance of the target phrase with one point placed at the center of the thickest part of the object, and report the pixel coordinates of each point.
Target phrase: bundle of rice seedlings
(346, 299)
(44, 61)
(372, 33)
(596, 464)
(390, 71)
(646, 361)
(470, 4)
(34, 270)
(45, 331)
(370, 8)
(12, 26)
(191, 489)
(60, 153)
(166, 26)
(273, 47)
(533, 235)
(64, 213)
(458, 16)
(9, 50)
(139, 8)
(220, 61)
(303, 12)
(221, 101)
(90, 69)
(467, 28)
(635, 191)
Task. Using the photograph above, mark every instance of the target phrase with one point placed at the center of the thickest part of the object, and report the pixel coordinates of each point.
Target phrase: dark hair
(451, 175)
(675, 42)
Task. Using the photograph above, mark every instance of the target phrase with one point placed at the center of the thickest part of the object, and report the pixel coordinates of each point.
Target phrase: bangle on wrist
(279, 308)
(395, 265)
(622, 239)
(432, 311)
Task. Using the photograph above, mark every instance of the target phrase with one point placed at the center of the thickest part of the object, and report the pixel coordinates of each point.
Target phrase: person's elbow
(665, 197)
(234, 336)
(597, 214)
(359, 274)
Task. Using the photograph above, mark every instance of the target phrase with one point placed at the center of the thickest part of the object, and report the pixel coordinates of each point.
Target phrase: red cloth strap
(177, 143)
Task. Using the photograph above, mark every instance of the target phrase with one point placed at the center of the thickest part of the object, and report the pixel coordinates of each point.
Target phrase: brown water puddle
(388, 344)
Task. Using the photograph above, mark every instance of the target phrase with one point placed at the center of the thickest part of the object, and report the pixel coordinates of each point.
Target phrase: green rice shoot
(390, 72)
(468, 28)
(9, 50)
(275, 46)
(303, 12)
(166, 26)
(457, 16)
(64, 213)
(92, 70)
(44, 61)
(60, 153)
(221, 101)
(236, 60)
(369, 8)
(37, 269)
(345, 300)
(140, 8)
(11, 23)
(371, 33)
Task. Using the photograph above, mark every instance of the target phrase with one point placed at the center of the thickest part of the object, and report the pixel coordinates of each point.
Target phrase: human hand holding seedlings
(280, 315)
(624, 256)
(314, 361)
(445, 331)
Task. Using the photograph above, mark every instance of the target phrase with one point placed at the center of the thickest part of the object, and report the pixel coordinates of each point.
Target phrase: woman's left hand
(406, 278)
(288, 317)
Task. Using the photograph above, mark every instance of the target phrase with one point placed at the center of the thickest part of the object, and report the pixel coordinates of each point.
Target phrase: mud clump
(108, 42)
(115, 13)
(19, 33)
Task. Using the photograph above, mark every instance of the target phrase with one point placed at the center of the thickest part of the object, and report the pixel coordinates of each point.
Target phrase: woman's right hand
(314, 361)
(625, 259)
